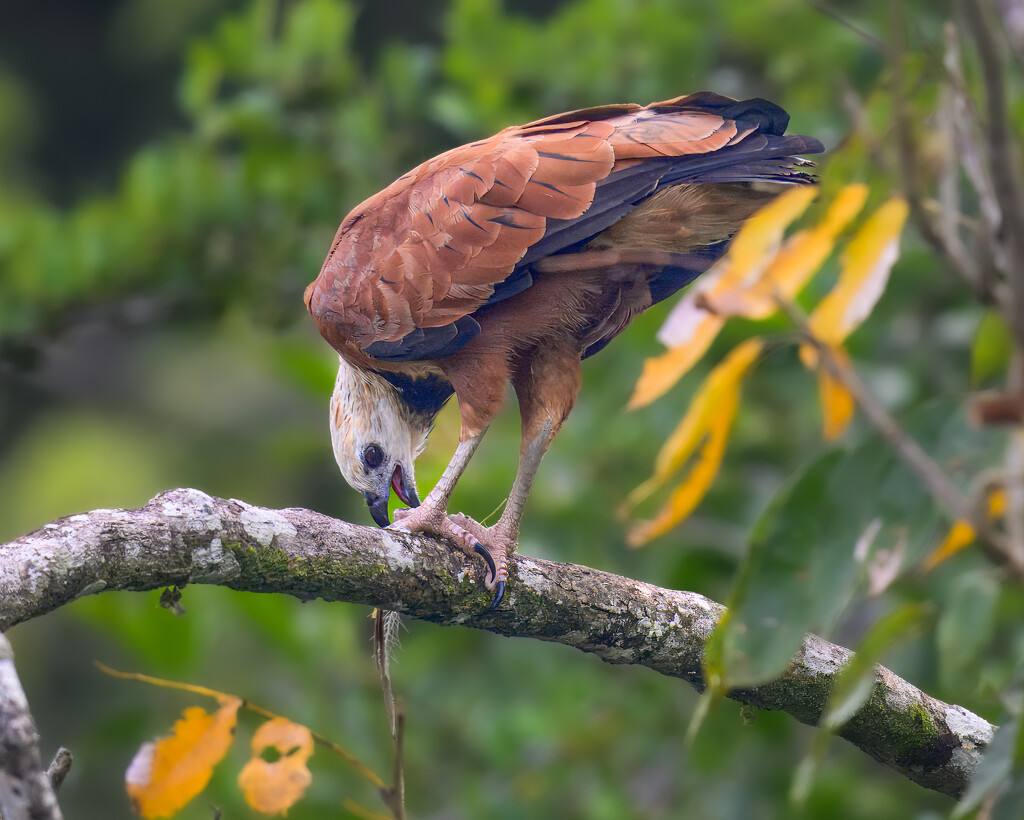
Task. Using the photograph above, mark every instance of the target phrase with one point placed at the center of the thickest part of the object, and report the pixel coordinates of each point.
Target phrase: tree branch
(186, 537)
(26, 791)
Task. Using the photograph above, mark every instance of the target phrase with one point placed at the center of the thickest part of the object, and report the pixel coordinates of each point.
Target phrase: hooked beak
(402, 489)
(378, 504)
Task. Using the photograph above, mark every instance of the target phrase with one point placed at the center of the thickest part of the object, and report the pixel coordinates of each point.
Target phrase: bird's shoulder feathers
(411, 265)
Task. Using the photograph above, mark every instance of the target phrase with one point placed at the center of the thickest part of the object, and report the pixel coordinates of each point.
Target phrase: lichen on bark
(187, 536)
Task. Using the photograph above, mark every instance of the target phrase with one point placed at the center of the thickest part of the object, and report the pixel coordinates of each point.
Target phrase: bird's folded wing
(433, 247)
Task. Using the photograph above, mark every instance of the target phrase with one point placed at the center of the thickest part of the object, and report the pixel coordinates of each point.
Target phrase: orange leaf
(962, 534)
(837, 404)
(167, 774)
(661, 372)
(273, 788)
(866, 264)
(701, 436)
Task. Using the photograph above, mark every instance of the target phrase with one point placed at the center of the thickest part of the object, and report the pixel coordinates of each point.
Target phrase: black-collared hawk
(511, 259)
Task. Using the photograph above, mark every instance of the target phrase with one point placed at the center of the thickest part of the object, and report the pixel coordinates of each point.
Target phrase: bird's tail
(758, 158)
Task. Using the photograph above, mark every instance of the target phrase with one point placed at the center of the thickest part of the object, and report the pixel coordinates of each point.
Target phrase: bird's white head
(376, 440)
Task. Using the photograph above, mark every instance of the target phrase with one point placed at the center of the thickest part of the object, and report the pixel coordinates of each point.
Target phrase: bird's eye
(373, 456)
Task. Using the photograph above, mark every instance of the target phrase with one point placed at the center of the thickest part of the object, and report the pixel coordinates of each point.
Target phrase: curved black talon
(487, 557)
(499, 593)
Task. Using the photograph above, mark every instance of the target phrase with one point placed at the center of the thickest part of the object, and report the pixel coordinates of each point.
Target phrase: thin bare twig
(930, 473)
(966, 133)
(1014, 463)
(833, 13)
(948, 246)
(1003, 159)
(948, 220)
(1012, 15)
(396, 798)
(361, 811)
(59, 768)
(249, 706)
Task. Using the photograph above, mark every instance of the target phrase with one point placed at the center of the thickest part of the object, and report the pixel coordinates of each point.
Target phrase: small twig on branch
(1014, 462)
(1012, 15)
(26, 793)
(59, 768)
(186, 536)
(965, 127)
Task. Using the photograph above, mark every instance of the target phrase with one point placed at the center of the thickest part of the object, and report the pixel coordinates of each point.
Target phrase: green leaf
(992, 348)
(853, 685)
(967, 626)
(850, 513)
(776, 595)
(202, 79)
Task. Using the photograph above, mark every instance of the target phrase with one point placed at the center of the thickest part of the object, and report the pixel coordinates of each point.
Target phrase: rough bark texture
(188, 537)
(26, 792)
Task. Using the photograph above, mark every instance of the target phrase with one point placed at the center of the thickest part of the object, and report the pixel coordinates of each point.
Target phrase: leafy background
(172, 175)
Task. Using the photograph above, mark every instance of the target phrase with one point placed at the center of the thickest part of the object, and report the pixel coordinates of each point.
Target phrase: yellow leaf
(701, 437)
(844, 207)
(746, 282)
(962, 534)
(167, 774)
(752, 250)
(661, 372)
(837, 404)
(683, 321)
(796, 262)
(273, 788)
(689, 494)
(866, 264)
(997, 503)
(759, 238)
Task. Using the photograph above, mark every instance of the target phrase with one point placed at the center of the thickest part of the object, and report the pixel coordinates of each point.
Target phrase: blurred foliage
(152, 335)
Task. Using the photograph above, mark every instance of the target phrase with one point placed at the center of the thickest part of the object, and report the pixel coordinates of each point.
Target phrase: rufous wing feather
(431, 248)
